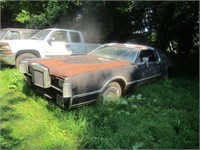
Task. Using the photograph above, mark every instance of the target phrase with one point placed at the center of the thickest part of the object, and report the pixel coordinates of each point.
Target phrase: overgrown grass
(164, 114)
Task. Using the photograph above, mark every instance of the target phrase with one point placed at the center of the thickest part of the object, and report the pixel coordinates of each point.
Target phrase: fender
(32, 51)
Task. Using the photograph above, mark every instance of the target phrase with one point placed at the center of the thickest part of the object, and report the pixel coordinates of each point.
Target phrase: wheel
(167, 75)
(24, 57)
(111, 92)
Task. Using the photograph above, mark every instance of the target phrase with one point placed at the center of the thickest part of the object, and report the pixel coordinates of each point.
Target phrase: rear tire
(168, 74)
(22, 57)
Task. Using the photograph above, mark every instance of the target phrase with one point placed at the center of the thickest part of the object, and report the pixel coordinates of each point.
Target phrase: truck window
(75, 37)
(12, 35)
(2, 33)
(60, 36)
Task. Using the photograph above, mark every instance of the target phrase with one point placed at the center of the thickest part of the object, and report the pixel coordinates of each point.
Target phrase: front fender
(37, 53)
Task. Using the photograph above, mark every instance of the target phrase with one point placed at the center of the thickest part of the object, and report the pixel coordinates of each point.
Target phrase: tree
(168, 25)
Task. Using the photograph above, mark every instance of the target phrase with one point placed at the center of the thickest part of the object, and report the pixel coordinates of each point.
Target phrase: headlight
(67, 90)
(23, 66)
(60, 83)
(5, 49)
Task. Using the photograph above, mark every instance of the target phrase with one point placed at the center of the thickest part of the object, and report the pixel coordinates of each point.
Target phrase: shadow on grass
(7, 118)
(3, 66)
(30, 91)
(7, 140)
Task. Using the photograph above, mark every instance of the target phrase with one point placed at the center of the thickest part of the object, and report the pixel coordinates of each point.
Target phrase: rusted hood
(73, 65)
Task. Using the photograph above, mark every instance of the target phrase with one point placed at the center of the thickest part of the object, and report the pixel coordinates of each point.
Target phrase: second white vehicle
(46, 43)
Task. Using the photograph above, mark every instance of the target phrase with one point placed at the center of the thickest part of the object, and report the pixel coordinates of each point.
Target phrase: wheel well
(169, 69)
(34, 52)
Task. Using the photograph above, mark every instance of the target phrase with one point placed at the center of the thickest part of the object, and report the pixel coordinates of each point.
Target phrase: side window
(75, 37)
(12, 35)
(152, 55)
(26, 35)
(60, 36)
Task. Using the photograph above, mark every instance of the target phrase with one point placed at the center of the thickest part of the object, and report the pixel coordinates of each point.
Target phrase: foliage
(161, 115)
(168, 25)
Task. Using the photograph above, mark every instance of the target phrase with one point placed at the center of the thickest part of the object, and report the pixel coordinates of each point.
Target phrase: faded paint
(70, 66)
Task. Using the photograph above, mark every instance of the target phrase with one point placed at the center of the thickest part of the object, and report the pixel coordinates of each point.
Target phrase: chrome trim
(23, 66)
(68, 89)
(45, 74)
(87, 94)
(79, 104)
(56, 88)
(98, 91)
(143, 79)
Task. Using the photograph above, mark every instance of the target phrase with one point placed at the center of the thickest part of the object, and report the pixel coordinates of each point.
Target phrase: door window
(12, 35)
(60, 36)
(152, 55)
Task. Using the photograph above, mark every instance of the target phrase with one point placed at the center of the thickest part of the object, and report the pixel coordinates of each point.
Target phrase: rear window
(75, 37)
(12, 35)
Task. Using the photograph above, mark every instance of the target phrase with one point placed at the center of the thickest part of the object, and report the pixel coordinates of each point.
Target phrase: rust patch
(66, 69)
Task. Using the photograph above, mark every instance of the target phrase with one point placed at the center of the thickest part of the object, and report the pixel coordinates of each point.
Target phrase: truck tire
(23, 56)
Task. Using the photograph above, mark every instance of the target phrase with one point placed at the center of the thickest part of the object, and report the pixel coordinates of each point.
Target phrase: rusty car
(110, 70)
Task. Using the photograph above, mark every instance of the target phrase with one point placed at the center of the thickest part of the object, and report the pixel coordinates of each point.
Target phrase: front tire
(168, 74)
(112, 92)
(24, 57)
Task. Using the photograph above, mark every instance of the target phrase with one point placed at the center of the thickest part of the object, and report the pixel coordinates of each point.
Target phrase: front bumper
(7, 59)
(38, 76)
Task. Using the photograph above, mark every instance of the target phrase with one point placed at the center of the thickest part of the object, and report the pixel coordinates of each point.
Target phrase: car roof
(17, 29)
(55, 29)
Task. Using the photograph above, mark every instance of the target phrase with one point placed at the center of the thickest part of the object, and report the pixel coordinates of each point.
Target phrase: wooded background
(172, 26)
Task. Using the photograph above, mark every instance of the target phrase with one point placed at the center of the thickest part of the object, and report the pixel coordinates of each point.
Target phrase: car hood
(74, 65)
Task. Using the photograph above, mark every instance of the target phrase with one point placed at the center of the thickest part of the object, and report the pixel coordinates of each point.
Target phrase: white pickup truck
(45, 43)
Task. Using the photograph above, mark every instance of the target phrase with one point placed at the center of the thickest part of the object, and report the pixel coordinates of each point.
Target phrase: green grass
(160, 115)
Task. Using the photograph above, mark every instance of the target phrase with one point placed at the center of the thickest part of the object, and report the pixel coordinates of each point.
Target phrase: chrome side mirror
(146, 61)
(51, 39)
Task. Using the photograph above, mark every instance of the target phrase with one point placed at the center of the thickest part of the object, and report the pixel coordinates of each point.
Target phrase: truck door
(57, 44)
(76, 43)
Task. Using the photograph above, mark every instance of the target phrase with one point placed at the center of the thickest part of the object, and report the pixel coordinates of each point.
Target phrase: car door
(149, 68)
(76, 43)
(57, 44)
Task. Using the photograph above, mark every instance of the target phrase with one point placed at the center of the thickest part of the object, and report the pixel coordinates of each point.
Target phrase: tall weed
(161, 115)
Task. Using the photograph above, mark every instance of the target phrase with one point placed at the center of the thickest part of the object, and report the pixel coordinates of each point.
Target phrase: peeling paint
(70, 66)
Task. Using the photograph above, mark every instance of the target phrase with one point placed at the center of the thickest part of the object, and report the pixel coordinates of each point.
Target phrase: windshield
(2, 34)
(41, 35)
(116, 52)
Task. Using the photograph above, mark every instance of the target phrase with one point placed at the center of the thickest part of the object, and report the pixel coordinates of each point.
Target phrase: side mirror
(51, 39)
(146, 61)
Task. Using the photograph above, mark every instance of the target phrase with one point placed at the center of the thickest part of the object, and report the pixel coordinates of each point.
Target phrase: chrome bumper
(39, 76)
